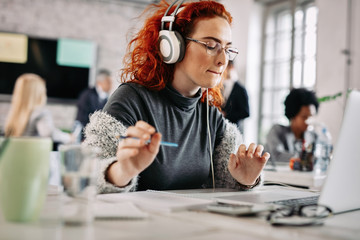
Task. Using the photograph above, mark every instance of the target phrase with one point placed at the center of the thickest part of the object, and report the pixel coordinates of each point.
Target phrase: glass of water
(78, 177)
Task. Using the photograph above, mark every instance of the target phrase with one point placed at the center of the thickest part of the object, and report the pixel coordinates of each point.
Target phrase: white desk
(194, 225)
(284, 175)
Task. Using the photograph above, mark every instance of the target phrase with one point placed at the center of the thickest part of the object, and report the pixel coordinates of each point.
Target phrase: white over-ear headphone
(171, 43)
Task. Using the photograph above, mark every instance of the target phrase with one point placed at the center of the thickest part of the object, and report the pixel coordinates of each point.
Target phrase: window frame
(273, 9)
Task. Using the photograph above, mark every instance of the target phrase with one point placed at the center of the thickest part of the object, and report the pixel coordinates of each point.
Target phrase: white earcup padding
(165, 47)
(170, 46)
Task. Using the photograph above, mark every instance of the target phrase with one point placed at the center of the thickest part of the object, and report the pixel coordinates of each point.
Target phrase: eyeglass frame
(276, 216)
(210, 49)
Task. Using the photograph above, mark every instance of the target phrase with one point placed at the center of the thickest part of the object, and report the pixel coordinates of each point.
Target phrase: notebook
(156, 201)
(341, 191)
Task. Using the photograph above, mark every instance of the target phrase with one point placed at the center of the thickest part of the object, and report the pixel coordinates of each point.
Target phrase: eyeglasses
(213, 48)
(300, 215)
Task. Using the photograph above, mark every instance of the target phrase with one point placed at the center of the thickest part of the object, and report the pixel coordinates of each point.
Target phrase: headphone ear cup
(172, 46)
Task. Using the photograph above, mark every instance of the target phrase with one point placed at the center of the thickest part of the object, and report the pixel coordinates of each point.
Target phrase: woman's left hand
(247, 164)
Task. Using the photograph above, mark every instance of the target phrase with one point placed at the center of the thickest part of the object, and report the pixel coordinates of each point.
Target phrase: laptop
(341, 191)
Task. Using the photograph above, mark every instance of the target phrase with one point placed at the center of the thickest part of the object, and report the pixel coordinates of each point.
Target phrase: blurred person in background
(94, 98)
(300, 105)
(28, 115)
(236, 105)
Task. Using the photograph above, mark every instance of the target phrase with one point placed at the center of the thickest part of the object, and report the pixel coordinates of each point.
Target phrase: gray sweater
(41, 124)
(281, 143)
(179, 119)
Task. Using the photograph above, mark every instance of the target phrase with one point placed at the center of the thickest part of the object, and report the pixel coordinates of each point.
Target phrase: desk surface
(284, 175)
(194, 225)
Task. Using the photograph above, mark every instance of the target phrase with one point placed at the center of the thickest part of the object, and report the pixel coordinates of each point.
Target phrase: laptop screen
(341, 191)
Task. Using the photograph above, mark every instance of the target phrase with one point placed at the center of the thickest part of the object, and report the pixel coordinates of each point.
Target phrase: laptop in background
(341, 191)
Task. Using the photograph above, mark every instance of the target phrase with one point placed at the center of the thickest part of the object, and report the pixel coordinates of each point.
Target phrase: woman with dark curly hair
(171, 91)
(300, 105)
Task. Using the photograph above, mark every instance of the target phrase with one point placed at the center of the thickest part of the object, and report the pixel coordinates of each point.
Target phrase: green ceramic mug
(24, 171)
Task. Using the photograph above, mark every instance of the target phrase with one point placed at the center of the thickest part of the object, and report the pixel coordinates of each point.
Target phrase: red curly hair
(143, 63)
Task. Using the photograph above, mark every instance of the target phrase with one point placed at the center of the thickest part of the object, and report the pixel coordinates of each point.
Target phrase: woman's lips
(214, 72)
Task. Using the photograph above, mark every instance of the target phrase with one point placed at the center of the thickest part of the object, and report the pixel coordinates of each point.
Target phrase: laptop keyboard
(297, 202)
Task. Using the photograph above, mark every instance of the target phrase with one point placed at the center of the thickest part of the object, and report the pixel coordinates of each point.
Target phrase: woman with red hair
(173, 93)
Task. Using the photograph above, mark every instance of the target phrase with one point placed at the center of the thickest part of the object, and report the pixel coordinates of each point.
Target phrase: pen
(168, 144)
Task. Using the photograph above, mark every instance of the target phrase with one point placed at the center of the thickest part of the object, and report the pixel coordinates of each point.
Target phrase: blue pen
(168, 144)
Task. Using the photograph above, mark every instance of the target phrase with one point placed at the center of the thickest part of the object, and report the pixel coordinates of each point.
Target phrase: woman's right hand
(134, 154)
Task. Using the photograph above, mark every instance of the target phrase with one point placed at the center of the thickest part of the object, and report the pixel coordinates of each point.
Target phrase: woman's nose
(222, 58)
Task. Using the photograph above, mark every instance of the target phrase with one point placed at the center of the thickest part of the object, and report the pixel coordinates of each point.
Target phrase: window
(289, 51)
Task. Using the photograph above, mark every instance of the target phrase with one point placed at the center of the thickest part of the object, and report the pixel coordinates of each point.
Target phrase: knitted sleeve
(102, 132)
(230, 142)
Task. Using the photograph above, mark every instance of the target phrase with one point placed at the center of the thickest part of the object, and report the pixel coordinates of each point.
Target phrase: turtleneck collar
(182, 102)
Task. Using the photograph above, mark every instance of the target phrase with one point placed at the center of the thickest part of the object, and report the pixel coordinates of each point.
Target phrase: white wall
(333, 73)
(240, 28)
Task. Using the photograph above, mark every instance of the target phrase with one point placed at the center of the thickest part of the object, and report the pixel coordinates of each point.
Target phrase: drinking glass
(78, 176)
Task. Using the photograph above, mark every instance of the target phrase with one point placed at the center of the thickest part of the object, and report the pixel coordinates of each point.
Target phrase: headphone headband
(171, 18)
(171, 43)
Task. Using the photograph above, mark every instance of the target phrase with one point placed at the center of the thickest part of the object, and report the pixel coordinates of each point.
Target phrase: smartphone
(237, 209)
